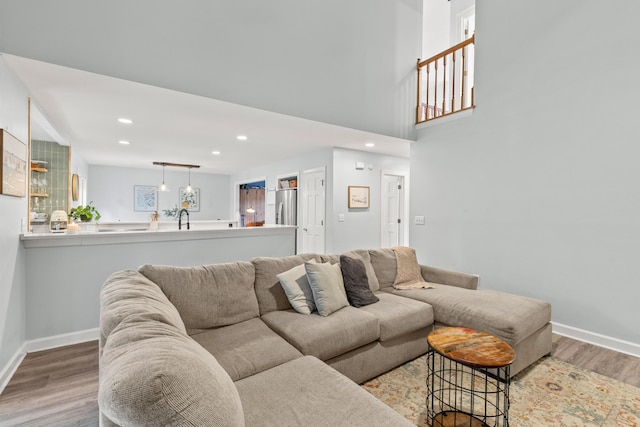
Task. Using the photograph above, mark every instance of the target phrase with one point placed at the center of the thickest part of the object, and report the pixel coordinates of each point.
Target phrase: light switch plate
(419, 220)
(340, 217)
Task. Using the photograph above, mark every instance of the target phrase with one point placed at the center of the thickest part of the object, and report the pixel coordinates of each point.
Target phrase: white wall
(111, 190)
(537, 190)
(435, 27)
(361, 227)
(14, 118)
(346, 63)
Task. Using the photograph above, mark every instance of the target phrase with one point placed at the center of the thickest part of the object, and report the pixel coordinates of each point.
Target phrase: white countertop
(116, 233)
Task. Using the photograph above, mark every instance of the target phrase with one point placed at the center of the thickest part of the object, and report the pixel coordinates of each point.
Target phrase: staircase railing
(445, 82)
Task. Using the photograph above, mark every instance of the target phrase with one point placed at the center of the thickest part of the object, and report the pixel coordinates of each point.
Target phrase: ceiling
(81, 109)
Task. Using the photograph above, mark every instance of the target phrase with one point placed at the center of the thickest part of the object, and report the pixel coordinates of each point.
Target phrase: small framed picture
(190, 200)
(358, 197)
(145, 198)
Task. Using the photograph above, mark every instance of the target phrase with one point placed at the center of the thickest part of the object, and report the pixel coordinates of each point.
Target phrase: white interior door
(392, 210)
(313, 211)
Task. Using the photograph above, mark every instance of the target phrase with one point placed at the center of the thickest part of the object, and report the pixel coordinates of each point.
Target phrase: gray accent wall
(346, 63)
(537, 191)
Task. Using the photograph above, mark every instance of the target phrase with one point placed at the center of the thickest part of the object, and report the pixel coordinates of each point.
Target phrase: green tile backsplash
(54, 182)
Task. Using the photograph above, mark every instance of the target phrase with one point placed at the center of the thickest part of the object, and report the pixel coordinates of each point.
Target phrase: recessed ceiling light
(215, 153)
(369, 144)
(123, 142)
(125, 120)
(242, 137)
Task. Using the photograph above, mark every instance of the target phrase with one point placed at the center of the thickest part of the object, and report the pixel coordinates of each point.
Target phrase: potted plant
(85, 213)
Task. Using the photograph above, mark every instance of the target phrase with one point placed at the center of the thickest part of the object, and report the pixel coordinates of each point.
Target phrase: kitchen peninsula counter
(111, 235)
(65, 272)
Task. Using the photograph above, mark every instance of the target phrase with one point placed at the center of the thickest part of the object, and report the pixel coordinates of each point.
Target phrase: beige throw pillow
(408, 275)
(327, 286)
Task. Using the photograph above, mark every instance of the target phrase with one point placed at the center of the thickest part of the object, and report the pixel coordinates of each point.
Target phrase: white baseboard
(62, 340)
(7, 373)
(615, 344)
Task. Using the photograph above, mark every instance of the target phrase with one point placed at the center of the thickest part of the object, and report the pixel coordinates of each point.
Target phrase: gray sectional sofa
(221, 345)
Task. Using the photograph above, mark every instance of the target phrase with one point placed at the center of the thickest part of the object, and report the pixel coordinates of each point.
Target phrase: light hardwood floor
(59, 387)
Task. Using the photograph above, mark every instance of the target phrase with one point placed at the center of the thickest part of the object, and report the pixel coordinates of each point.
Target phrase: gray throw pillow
(296, 287)
(326, 284)
(356, 284)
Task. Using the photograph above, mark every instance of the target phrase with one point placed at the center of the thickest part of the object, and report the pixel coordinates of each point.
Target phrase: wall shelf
(39, 195)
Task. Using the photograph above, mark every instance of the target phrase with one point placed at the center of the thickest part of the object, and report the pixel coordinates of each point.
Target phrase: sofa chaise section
(522, 322)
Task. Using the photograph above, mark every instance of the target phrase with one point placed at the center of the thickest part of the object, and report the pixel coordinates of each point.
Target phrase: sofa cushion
(240, 348)
(509, 317)
(363, 255)
(399, 316)
(152, 374)
(128, 292)
(268, 290)
(326, 284)
(325, 337)
(312, 394)
(356, 284)
(208, 296)
(296, 286)
(385, 265)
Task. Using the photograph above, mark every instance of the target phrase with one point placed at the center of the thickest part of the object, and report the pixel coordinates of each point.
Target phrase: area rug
(548, 393)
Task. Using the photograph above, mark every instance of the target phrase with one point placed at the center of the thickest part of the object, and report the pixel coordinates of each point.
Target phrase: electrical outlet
(419, 220)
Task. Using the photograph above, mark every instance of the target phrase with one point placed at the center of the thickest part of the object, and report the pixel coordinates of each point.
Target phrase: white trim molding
(7, 373)
(62, 340)
(615, 344)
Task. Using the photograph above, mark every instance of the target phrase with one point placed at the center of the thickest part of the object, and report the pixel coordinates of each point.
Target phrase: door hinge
(322, 222)
(399, 186)
(399, 220)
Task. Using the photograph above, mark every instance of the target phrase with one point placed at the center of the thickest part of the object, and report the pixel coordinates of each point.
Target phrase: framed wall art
(190, 200)
(13, 165)
(359, 197)
(145, 198)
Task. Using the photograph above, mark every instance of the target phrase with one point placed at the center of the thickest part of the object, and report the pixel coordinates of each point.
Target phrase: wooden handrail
(470, 40)
(445, 82)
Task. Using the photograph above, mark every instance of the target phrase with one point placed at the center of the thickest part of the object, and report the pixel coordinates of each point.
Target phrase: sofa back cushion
(151, 374)
(385, 265)
(268, 289)
(208, 296)
(127, 293)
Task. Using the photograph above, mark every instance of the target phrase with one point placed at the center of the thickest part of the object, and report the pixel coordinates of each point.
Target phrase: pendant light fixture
(189, 189)
(163, 187)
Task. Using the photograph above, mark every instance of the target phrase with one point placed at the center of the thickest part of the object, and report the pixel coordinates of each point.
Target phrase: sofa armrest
(451, 278)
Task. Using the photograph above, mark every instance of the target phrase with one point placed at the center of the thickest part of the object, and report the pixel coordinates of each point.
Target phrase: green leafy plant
(171, 213)
(85, 213)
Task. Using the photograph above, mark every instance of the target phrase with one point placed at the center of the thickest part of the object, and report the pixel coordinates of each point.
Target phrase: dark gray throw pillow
(356, 283)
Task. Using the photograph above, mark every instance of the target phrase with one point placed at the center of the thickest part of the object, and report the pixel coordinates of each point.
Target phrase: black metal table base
(463, 396)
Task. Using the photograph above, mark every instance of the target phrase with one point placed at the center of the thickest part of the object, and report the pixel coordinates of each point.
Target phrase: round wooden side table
(468, 376)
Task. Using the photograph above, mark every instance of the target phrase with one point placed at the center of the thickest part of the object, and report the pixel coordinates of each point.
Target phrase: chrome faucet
(183, 210)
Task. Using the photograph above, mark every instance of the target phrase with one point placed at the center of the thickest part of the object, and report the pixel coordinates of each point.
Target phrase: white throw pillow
(296, 287)
(327, 286)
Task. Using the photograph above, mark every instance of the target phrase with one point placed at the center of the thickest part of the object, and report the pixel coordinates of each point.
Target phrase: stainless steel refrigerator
(287, 206)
